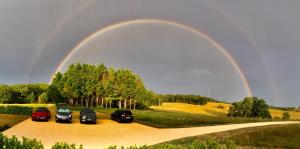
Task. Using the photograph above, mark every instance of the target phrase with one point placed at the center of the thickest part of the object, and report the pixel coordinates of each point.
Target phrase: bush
(62, 145)
(14, 143)
(286, 116)
(20, 110)
(4, 127)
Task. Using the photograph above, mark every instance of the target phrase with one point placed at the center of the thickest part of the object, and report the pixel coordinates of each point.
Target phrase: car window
(41, 110)
(63, 110)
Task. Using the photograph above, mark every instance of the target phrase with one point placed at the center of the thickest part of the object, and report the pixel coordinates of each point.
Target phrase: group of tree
(23, 93)
(186, 98)
(250, 107)
(97, 85)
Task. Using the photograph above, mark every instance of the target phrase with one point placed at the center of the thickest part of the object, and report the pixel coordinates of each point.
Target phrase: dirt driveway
(108, 132)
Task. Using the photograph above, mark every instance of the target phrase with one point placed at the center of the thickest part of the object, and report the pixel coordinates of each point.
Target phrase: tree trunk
(125, 103)
(120, 104)
(92, 102)
(76, 103)
(87, 102)
(102, 101)
(110, 104)
(106, 103)
(97, 100)
(130, 102)
(81, 101)
(134, 102)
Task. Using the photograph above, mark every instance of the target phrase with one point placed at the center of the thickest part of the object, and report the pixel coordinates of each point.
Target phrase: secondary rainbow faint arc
(145, 21)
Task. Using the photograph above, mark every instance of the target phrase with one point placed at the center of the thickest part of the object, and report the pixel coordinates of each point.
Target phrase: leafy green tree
(43, 98)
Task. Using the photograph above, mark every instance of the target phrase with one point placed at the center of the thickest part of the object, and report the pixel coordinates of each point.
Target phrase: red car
(41, 113)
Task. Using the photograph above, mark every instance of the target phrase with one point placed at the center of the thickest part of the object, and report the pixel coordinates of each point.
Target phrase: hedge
(20, 110)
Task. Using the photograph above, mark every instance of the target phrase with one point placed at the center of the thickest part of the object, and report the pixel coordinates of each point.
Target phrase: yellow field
(278, 113)
(210, 109)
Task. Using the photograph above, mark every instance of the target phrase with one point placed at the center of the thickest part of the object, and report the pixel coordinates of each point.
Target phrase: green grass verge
(273, 136)
(173, 119)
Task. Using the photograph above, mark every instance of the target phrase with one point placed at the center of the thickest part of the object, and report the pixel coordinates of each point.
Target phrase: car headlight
(83, 117)
(70, 115)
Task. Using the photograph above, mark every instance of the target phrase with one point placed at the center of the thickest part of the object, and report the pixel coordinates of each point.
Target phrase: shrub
(21, 110)
(286, 116)
(62, 145)
(1, 140)
(14, 143)
(4, 127)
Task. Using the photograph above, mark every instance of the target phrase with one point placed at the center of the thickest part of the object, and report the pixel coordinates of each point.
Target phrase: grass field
(272, 136)
(174, 119)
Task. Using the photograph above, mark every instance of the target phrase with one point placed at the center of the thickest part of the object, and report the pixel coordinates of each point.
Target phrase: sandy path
(108, 132)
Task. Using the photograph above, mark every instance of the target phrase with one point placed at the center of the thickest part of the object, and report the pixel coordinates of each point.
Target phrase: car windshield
(63, 110)
(41, 110)
(126, 112)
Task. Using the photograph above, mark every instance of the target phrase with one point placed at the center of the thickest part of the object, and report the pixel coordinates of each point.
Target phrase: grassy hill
(272, 136)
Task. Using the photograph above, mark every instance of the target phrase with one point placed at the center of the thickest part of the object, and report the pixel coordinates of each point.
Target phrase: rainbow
(146, 21)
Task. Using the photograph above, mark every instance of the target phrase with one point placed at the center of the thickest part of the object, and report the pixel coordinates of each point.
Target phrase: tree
(5, 94)
(30, 98)
(250, 107)
(286, 116)
(43, 98)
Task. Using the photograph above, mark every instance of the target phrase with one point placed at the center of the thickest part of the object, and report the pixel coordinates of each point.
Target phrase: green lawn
(175, 119)
(273, 136)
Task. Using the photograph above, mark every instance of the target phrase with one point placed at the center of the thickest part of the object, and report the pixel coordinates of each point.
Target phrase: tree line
(186, 98)
(97, 85)
(23, 93)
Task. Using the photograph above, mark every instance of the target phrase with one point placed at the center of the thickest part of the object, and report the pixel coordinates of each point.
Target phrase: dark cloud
(261, 36)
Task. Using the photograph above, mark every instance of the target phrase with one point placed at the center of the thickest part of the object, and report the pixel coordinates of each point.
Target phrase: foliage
(62, 145)
(21, 93)
(286, 116)
(20, 110)
(250, 107)
(14, 143)
(43, 98)
(182, 98)
(96, 85)
(4, 127)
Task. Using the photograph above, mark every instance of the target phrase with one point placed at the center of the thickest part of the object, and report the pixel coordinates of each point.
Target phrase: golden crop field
(210, 109)
(278, 114)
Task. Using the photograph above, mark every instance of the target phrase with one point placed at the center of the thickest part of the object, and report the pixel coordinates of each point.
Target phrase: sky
(221, 49)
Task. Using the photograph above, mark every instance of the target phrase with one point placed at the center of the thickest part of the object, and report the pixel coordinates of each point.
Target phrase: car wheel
(119, 120)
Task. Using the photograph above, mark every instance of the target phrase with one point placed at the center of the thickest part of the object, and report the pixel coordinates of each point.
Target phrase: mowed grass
(272, 136)
(210, 109)
(174, 119)
(278, 114)
(214, 114)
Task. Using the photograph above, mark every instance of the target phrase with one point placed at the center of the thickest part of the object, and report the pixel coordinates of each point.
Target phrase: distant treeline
(286, 108)
(23, 93)
(186, 98)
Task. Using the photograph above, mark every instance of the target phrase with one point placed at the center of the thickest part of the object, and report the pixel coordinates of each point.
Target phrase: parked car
(122, 116)
(41, 113)
(63, 114)
(88, 115)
